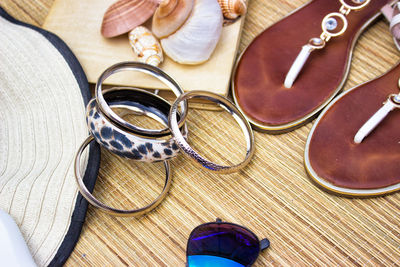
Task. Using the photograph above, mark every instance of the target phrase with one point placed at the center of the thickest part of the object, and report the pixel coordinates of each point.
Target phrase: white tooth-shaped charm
(146, 46)
(374, 121)
(298, 65)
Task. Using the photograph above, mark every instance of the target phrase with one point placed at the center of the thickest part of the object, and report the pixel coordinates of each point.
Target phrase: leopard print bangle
(123, 143)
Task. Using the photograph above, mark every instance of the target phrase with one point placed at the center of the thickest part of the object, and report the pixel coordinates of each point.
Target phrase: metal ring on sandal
(118, 212)
(228, 106)
(122, 142)
(145, 68)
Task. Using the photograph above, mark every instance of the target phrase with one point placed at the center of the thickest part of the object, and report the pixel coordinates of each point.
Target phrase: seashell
(232, 9)
(146, 46)
(170, 15)
(124, 15)
(196, 39)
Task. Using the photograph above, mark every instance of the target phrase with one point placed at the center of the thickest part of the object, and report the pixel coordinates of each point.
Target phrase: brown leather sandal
(361, 157)
(336, 162)
(272, 62)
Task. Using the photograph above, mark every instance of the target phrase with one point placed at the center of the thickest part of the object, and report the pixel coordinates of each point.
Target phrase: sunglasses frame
(264, 243)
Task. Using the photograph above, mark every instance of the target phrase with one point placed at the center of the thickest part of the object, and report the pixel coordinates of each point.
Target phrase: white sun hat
(43, 94)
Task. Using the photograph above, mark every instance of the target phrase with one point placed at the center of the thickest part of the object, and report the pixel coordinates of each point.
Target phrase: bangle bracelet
(123, 143)
(228, 106)
(148, 69)
(113, 211)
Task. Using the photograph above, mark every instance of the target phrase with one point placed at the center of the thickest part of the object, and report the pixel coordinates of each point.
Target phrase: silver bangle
(113, 211)
(123, 143)
(148, 69)
(228, 106)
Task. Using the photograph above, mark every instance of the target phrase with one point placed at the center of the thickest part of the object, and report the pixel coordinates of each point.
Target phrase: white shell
(146, 46)
(196, 39)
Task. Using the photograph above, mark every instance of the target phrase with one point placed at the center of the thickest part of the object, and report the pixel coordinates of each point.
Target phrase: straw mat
(272, 196)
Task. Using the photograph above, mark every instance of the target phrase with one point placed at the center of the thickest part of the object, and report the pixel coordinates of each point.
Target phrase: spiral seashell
(146, 46)
(196, 39)
(124, 15)
(232, 9)
(170, 15)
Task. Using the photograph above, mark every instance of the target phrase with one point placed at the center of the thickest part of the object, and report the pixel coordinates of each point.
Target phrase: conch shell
(232, 9)
(124, 15)
(146, 46)
(170, 16)
(196, 39)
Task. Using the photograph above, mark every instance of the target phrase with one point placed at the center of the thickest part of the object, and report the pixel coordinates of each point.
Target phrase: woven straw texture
(272, 196)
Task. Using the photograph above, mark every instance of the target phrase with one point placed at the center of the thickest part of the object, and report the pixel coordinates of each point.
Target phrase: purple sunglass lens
(224, 240)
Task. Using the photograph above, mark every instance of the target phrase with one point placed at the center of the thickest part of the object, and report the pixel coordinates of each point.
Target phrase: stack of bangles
(126, 140)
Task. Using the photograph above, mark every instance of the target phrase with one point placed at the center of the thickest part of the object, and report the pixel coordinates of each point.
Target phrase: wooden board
(78, 24)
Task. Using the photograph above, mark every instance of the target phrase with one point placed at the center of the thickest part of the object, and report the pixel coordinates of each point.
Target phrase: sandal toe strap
(388, 11)
(393, 23)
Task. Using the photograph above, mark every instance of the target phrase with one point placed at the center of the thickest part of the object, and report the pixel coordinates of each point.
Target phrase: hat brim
(64, 217)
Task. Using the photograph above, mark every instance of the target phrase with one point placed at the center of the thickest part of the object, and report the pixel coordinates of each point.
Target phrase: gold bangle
(113, 211)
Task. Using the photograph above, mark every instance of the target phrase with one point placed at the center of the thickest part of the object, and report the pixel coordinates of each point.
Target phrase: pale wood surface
(78, 24)
(272, 196)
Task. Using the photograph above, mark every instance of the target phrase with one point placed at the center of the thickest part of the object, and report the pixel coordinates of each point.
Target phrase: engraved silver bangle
(226, 105)
(113, 211)
(144, 68)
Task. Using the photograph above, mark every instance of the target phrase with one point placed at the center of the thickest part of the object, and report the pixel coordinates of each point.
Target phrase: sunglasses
(223, 244)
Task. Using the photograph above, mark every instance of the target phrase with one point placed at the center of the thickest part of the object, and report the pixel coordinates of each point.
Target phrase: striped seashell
(124, 15)
(170, 16)
(232, 9)
(146, 46)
